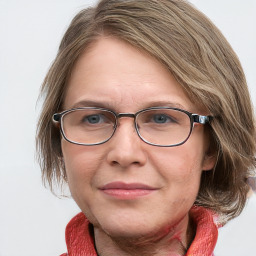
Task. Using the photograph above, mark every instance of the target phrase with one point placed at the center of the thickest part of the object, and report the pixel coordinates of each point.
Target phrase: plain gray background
(32, 220)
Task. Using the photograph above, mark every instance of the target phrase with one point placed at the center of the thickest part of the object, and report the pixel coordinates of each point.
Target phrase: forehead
(113, 72)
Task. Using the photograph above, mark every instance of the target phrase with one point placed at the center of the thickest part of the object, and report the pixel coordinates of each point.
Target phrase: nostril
(114, 163)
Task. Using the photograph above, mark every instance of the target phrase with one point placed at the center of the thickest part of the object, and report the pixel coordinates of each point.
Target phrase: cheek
(81, 164)
(180, 162)
(181, 169)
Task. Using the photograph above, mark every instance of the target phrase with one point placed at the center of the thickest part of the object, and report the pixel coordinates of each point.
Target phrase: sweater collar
(80, 240)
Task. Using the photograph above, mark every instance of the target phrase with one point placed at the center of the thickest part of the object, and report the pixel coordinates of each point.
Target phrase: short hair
(199, 57)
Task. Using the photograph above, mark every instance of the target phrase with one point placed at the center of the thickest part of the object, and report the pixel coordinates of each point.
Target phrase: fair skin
(114, 75)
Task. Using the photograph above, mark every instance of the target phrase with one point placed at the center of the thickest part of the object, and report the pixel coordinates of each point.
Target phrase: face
(126, 187)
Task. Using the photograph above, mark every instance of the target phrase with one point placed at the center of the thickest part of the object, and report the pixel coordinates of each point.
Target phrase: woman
(148, 119)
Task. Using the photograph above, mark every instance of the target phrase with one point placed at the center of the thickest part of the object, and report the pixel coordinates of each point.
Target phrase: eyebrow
(91, 103)
(109, 105)
(165, 104)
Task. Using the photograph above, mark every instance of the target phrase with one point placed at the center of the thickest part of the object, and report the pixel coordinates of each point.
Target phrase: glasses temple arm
(56, 117)
(201, 119)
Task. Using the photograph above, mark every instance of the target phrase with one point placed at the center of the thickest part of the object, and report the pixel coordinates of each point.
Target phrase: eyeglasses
(157, 126)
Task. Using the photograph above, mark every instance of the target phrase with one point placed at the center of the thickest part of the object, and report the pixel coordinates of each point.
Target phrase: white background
(32, 220)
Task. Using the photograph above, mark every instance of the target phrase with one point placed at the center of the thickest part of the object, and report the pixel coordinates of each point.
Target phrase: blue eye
(161, 118)
(93, 119)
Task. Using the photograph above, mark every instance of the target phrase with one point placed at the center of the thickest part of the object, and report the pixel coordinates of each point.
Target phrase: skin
(114, 75)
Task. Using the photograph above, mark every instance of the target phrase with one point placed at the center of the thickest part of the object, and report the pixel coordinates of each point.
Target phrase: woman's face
(126, 187)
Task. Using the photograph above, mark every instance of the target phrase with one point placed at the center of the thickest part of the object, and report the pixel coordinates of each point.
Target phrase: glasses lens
(88, 126)
(164, 127)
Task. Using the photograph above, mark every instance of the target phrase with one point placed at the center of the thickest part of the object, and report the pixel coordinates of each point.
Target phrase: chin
(133, 226)
(129, 232)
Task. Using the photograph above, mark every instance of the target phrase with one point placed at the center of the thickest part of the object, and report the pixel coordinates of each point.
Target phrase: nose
(126, 148)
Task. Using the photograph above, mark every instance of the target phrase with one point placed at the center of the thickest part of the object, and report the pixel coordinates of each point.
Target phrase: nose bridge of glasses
(120, 115)
(123, 115)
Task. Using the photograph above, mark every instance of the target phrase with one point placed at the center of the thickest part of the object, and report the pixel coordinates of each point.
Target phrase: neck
(171, 241)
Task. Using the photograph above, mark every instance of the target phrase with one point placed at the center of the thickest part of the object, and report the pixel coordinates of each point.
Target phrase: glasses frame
(194, 118)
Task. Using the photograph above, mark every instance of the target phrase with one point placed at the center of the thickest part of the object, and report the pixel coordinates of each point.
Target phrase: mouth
(127, 191)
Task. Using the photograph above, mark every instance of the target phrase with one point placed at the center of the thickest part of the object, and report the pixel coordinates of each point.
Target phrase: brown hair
(202, 61)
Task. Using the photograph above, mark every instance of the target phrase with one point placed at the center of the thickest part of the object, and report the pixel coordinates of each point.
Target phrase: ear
(211, 154)
(209, 162)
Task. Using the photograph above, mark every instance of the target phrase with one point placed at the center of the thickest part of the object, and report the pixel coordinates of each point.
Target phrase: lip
(127, 191)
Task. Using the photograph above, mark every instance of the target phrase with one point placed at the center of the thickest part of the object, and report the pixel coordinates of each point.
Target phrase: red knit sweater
(80, 241)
